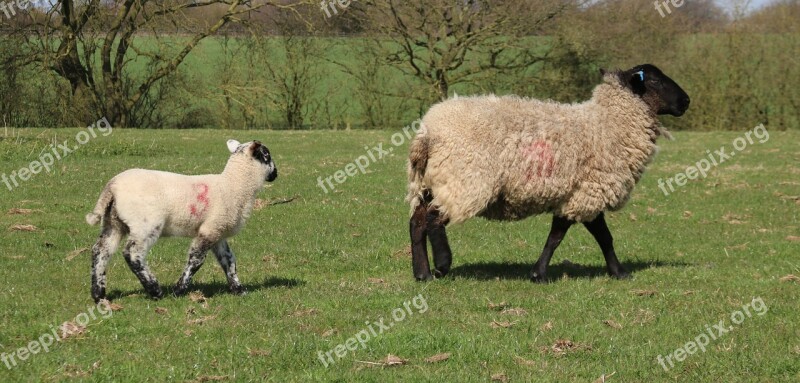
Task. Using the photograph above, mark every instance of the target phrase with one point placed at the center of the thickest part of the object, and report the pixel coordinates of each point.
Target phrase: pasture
(321, 268)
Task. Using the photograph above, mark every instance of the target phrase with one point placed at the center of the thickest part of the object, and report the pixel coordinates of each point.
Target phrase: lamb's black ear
(260, 152)
(636, 82)
(603, 71)
(255, 148)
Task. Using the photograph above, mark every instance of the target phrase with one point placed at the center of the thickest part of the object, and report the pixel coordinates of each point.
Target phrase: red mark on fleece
(197, 209)
(539, 159)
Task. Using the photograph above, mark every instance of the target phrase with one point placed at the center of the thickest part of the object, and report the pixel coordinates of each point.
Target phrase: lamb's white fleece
(214, 205)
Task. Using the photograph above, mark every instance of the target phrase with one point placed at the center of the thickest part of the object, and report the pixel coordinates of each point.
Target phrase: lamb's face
(660, 92)
(258, 152)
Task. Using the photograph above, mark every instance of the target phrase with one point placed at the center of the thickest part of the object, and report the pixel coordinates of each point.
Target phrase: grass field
(321, 266)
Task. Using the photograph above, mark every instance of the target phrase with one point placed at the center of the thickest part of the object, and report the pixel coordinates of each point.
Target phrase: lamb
(147, 204)
(508, 158)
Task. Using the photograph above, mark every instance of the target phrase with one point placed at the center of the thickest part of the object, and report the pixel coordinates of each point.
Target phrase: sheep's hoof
(440, 273)
(157, 295)
(621, 275)
(540, 278)
(424, 277)
(238, 290)
(179, 291)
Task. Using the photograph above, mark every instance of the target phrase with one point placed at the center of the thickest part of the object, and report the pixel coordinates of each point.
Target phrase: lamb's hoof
(180, 291)
(98, 294)
(440, 273)
(538, 277)
(238, 290)
(424, 277)
(157, 295)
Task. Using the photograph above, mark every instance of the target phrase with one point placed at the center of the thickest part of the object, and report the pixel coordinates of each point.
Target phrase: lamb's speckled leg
(442, 255)
(602, 235)
(197, 255)
(419, 246)
(227, 260)
(135, 252)
(558, 230)
(102, 250)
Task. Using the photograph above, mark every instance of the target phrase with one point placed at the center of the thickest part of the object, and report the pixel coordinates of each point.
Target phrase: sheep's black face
(663, 94)
(261, 153)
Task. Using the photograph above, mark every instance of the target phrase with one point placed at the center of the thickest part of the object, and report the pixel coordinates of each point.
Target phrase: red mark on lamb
(197, 209)
(539, 160)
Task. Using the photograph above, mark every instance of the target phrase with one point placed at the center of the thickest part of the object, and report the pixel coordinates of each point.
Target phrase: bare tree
(449, 42)
(92, 43)
(289, 64)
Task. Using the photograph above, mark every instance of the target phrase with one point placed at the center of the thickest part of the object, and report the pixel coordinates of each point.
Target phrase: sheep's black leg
(442, 255)
(197, 255)
(227, 260)
(558, 230)
(134, 253)
(102, 250)
(419, 246)
(602, 235)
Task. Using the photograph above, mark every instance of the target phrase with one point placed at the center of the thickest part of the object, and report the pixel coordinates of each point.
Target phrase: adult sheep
(149, 204)
(507, 158)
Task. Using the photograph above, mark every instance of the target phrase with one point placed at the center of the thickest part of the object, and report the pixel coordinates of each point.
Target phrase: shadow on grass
(215, 288)
(494, 270)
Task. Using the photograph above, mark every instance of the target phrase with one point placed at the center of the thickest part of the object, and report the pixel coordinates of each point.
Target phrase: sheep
(508, 158)
(148, 204)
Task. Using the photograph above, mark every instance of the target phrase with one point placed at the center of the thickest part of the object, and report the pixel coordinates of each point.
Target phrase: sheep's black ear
(636, 82)
(603, 71)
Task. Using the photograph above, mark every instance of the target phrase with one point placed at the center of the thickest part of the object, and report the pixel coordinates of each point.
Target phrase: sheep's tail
(105, 200)
(417, 163)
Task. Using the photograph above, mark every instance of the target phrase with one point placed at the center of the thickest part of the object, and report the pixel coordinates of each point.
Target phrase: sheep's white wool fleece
(509, 158)
(214, 205)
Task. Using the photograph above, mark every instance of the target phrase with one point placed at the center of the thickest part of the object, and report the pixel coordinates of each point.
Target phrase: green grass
(321, 266)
